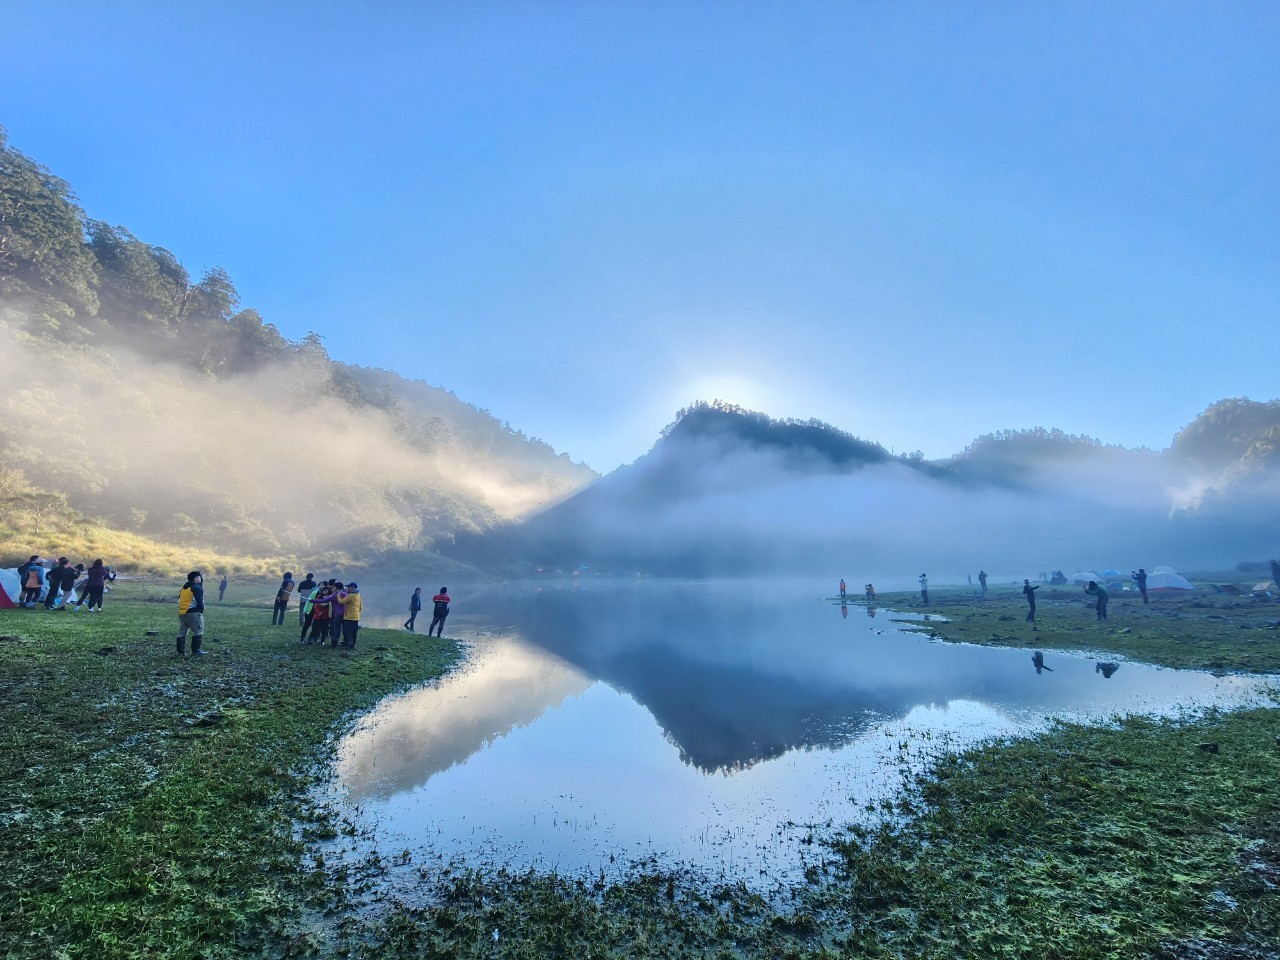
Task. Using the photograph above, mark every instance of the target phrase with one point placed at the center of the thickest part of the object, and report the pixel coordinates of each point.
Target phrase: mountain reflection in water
(695, 721)
(412, 737)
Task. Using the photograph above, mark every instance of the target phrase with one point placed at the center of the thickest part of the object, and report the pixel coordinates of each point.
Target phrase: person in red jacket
(441, 600)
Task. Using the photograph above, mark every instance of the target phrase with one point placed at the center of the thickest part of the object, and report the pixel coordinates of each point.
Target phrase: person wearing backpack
(282, 601)
(191, 614)
(32, 578)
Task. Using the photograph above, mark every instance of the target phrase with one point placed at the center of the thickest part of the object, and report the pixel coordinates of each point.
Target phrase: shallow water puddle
(691, 726)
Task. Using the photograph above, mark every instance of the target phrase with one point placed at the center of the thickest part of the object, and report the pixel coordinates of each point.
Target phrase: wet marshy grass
(152, 806)
(148, 802)
(1198, 631)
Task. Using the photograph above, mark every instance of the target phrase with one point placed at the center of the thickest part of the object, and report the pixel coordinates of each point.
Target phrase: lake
(706, 726)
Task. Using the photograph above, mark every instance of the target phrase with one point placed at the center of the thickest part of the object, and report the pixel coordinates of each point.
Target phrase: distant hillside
(729, 491)
(142, 400)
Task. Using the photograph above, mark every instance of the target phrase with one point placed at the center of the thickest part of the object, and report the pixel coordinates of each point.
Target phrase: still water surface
(701, 725)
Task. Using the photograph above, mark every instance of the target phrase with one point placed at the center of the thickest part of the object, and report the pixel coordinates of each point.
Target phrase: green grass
(1203, 631)
(152, 806)
(131, 830)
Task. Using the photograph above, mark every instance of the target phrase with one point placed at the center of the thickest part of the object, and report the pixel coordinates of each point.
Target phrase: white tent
(1085, 577)
(1162, 578)
(10, 588)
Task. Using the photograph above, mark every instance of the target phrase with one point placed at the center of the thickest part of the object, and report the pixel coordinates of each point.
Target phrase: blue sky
(917, 221)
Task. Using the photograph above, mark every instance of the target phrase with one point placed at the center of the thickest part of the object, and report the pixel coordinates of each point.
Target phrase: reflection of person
(1095, 589)
(871, 612)
(842, 588)
(924, 588)
(844, 611)
(1140, 578)
(982, 581)
(1037, 659)
(1106, 669)
(222, 588)
(441, 601)
(1029, 592)
(415, 604)
(282, 600)
(191, 614)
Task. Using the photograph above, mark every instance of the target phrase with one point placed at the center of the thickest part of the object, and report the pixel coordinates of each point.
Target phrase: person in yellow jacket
(191, 614)
(351, 602)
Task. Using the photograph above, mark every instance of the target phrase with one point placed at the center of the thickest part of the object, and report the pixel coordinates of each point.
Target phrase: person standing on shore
(305, 589)
(924, 588)
(441, 601)
(1030, 593)
(1095, 589)
(1140, 578)
(307, 607)
(843, 588)
(415, 604)
(351, 602)
(335, 613)
(321, 614)
(982, 581)
(191, 614)
(222, 588)
(282, 601)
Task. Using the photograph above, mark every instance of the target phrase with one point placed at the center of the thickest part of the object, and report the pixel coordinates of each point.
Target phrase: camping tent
(1085, 577)
(10, 588)
(1162, 578)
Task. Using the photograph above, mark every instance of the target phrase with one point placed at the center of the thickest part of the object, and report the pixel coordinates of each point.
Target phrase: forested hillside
(142, 400)
(732, 491)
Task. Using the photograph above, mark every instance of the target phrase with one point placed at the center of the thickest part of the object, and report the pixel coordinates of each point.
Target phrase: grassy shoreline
(149, 800)
(152, 806)
(1197, 632)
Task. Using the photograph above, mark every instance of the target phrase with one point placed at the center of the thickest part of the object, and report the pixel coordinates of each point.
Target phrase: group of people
(867, 589)
(63, 586)
(1096, 590)
(1101, 595)
(327, 610)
